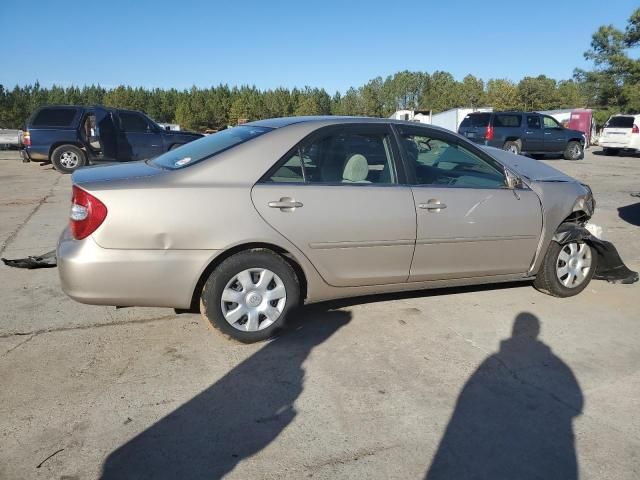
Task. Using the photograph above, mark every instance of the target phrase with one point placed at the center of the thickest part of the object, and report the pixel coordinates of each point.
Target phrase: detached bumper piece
(610, 266)
(46, 260)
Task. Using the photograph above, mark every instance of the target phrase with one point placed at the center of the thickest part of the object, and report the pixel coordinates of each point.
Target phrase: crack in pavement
(13, 234)
(35, 333)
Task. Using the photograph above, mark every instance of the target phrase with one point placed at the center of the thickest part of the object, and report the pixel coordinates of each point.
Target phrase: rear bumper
(146, 278)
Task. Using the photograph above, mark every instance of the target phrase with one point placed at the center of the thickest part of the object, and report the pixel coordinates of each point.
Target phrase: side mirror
(513, 181)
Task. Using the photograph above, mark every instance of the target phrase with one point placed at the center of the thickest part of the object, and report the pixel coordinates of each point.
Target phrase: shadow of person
(630, 213)
(234, 418)
(513, 418)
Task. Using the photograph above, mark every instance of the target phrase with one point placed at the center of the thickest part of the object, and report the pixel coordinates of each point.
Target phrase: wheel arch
(60, 144)
(218, 259)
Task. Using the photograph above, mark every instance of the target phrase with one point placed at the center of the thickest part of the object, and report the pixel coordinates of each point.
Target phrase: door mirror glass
(513, 181)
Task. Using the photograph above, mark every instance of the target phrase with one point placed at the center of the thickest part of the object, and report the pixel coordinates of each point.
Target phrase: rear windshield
(476, 120)
(502, 120)
(206, 147)
(620, 122)
(54, 117)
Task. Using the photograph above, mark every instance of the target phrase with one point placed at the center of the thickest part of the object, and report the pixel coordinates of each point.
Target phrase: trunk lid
(115, 172)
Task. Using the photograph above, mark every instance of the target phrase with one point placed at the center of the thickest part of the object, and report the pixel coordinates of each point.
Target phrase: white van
(621, 132)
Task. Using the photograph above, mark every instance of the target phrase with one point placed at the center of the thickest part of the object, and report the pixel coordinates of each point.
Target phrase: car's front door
(533, 140)
(337, 198)
(555, 138)
(139, 139)
(469, 224)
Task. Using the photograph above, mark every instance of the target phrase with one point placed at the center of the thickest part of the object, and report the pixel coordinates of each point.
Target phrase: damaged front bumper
(610, 266)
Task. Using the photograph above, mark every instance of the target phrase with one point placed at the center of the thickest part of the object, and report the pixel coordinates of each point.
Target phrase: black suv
(523, 132)
(72, 136)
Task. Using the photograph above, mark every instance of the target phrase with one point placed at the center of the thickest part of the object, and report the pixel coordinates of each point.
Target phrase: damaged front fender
(610, 266)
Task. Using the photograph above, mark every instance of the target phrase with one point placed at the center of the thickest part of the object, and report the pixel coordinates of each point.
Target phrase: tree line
(613, 86)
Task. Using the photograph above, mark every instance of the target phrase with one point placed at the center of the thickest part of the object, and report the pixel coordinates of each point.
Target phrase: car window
(133, 122)
(502, 120)
(54, 117)
(440, 162)
(550, 123)
(206, 147)
(620, 122)
(343, 158)
(533, 121)
(476, 120)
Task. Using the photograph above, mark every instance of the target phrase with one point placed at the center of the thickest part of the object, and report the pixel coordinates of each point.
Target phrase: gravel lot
(384, 387)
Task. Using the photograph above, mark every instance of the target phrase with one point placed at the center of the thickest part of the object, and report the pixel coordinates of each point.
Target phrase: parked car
(620, 133)
(523, 132)
(73, 136)
(252, 220)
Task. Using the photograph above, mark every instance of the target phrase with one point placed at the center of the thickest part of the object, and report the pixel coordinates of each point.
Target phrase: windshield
(476, 120)
(620, 122)
(207, 147)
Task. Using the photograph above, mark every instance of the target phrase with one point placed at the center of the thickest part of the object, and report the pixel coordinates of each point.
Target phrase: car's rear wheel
(513, 146)
(574, 151)
(249, 295)
(68, 158)
(611, 151)
(566, 269)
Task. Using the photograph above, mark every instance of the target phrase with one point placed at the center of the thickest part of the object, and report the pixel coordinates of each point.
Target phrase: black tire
(63, 157)
(573, 151)
(547, 280)
(513, 146)
(174, 146)
(211, 298)
(611, 151)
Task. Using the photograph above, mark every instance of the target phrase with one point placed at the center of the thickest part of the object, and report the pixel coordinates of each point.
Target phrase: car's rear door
(469, 224)
(533, 139)
(338, 197)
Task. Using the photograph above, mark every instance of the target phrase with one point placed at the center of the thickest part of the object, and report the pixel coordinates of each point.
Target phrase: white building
(451, 119)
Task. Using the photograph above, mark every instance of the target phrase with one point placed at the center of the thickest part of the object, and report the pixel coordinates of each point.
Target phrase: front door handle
(285, 204)
(433, 205)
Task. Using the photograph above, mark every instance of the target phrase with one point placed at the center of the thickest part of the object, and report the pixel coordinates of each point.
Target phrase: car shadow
(234, 418)
(514, 416)
(630, 214)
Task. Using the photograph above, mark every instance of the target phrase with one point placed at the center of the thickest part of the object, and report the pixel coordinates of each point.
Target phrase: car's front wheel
(574, 151)
(249, 295)
(566, 269)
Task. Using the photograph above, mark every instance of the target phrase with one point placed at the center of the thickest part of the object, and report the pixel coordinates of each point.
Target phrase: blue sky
(330, 44)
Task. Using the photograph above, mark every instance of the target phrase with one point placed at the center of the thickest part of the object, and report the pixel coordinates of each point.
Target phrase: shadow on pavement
(234, 418)
(514, 416)
(630, 213)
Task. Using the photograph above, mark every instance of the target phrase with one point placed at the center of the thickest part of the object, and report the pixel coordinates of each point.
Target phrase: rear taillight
(87, 213)
(26, 139)
(488, 134)
(635, 129)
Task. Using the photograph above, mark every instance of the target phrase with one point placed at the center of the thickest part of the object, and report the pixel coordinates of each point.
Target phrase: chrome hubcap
(512, 149)
(575, 151)
(253, 299)
(69, 159)
(573, 264)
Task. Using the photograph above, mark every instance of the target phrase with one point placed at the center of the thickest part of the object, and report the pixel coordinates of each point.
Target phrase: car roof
(337, 120)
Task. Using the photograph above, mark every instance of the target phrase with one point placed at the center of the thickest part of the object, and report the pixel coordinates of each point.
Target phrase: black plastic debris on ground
(46, 260)
(610, 266)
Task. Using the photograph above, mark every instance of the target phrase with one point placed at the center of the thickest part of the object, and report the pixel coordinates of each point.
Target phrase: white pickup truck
(9, 138)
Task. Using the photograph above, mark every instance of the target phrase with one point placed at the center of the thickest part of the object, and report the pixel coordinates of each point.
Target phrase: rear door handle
(285, 204)
(433, 205)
